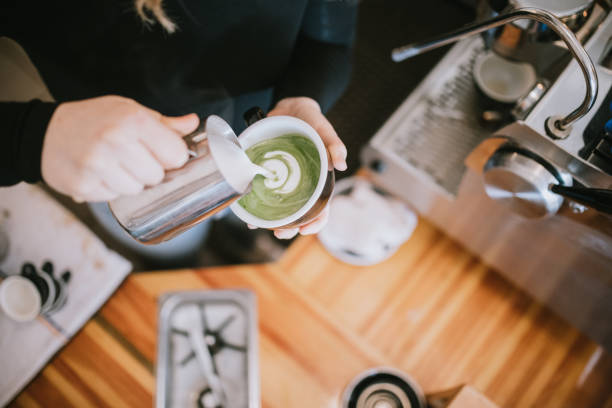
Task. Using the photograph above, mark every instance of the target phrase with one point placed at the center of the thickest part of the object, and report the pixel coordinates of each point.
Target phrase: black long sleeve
(320, 65)
(23, 126)
(224, 56)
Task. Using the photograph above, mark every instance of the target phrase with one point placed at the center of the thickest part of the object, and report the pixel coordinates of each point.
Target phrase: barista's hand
(309, 111)
(100, 148)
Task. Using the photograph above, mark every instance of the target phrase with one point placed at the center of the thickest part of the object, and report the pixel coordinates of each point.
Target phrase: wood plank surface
(432, 310)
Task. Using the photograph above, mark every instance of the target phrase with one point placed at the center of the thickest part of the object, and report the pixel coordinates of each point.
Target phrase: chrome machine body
(494, 191)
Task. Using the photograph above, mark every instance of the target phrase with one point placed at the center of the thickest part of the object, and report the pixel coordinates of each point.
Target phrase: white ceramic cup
(275, 126)
(19, 298)
(503, 80)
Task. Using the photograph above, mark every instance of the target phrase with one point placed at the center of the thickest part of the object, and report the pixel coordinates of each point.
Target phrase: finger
(250, 226)
(85, 184)
(98, 191)
(120, 180)
(165, 144)
(286, 233)
(338, 154)
(182, 124)
(141, 164)
(101, 193)
(328, 134)
(105, 193)
(325, 129)
(317, 224)
(276, 112)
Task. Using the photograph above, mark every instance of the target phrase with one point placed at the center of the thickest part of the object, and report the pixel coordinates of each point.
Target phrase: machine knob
(520, 180)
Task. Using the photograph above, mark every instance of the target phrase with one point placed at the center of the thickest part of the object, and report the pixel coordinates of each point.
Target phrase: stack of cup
(25, 296)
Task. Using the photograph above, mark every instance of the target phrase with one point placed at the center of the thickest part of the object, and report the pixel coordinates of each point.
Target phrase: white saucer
(365, 226)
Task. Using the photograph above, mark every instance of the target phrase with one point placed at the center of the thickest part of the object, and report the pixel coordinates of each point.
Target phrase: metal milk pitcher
(217, 173)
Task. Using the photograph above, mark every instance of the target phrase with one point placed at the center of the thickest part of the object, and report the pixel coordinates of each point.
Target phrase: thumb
(182, 124)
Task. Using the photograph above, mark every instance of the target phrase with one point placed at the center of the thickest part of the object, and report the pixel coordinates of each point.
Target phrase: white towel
(40, 229)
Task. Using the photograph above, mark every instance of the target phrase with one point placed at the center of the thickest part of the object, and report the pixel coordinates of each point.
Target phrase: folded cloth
(39, 230)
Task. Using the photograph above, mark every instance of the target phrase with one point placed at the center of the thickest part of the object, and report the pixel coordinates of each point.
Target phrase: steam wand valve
(596, 198)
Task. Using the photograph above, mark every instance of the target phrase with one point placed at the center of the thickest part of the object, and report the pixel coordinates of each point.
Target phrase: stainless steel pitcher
(212, 179)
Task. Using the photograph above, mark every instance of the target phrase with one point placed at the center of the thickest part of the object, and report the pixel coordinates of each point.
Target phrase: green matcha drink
(294, 161)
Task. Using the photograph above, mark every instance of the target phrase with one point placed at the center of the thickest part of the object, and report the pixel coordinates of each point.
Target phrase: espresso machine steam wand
(557, 127)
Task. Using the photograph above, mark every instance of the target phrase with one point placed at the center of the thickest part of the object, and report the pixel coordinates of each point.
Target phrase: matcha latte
(294, 161)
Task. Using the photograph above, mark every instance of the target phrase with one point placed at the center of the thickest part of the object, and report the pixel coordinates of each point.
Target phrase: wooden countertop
(432, 310)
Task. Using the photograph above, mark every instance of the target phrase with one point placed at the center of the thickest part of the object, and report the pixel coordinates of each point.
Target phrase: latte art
(285, 169)
(294, 163)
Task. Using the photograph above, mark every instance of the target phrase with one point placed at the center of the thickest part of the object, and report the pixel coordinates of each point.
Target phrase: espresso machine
(531, 196)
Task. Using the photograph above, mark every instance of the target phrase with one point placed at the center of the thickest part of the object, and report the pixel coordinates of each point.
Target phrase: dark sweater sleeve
(320, 65)
(22, 130)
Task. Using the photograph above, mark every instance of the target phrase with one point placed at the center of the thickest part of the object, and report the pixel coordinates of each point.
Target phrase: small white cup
(275, 126)
(19, 298)
(503, 80)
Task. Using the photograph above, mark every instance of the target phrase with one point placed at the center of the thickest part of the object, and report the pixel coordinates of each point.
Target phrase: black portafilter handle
(597, 198)
(253, 115)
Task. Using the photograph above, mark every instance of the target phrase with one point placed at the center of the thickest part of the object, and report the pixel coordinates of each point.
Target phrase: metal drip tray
(437, 127)
(227, 323)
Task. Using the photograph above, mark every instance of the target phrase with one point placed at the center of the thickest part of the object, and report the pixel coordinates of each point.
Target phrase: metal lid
(383, 387)
(383, 395)
(520, 180)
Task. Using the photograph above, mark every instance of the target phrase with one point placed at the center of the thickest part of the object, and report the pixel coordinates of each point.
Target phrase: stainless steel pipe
(557, 126)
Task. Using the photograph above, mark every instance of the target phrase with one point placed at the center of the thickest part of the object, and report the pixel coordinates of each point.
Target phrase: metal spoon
(189, 320)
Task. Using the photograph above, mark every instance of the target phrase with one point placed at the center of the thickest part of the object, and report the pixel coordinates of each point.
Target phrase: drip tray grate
(437, 127)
